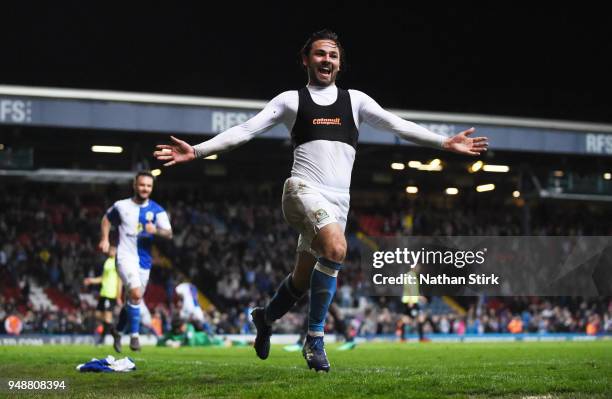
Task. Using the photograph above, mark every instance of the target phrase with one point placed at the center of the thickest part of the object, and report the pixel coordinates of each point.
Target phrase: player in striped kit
(191, 311)
(139, 219)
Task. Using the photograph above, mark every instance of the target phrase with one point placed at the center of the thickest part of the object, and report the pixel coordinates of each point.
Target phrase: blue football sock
(133, 312)
(322, 290)
(285, 297)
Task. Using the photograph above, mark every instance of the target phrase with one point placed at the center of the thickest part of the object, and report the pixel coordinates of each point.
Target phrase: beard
(140, 198)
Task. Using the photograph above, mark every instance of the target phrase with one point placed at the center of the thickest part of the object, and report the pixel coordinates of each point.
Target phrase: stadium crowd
(236, 252)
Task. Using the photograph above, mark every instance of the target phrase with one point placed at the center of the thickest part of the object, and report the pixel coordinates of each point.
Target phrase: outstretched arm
(92, 280)
(375, 115)
(179, 151)
(462, 144)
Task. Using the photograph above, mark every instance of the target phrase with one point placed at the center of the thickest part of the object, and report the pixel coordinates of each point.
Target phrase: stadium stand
(237, 252)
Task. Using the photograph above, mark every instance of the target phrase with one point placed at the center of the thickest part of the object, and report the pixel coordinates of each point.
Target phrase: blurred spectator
(516, 325)
(237, 248)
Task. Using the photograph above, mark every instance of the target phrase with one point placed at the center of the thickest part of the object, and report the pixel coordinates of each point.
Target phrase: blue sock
(285, 297)
(322, 290)
(133, 318)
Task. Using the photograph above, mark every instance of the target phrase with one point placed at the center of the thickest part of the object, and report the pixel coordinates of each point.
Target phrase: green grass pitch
(376, 370)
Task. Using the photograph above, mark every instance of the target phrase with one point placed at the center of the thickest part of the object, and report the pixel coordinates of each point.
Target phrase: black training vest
(332, 122)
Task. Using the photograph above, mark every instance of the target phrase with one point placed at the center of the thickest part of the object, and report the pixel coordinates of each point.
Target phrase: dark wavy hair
(144, 173)
(324, 34)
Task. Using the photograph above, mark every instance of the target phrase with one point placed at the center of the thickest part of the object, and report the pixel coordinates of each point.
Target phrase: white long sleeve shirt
(324, 162)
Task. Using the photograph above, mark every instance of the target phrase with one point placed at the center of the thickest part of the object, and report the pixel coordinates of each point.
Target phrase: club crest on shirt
(149, 216)
(321, 215)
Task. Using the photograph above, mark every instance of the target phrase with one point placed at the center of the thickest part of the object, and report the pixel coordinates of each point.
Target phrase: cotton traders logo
(327, 121)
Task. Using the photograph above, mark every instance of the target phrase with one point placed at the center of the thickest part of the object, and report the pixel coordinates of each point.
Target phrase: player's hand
(461, 143)
(104, 245)
(150, 228)
(86, 281)
(177, 152)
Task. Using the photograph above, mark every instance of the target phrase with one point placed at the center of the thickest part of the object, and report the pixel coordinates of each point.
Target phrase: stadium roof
(145, 112)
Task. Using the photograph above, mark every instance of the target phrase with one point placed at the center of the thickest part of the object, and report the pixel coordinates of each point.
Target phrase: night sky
(500, 60)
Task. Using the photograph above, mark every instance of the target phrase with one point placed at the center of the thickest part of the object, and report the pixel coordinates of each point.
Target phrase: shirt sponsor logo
(327, 121)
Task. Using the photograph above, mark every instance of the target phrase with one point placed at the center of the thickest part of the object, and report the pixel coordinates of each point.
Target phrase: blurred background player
(183, 333)
(139, 220)
(413, 308)
(191, 311)
(110, 296)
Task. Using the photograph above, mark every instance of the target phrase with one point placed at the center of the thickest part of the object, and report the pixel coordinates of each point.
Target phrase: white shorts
(308, 207)
(132, 275)
(192, 313)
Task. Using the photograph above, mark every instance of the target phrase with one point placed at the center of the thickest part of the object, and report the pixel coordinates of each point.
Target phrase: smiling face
(143, 186)
(323, 62)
